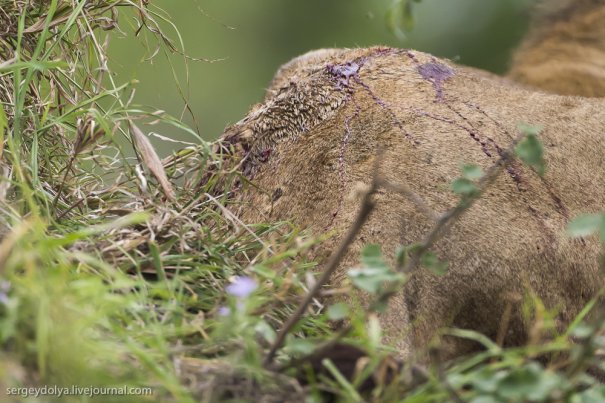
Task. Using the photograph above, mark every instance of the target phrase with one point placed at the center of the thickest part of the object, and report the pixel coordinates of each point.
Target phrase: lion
(564, 52)
(314, 142)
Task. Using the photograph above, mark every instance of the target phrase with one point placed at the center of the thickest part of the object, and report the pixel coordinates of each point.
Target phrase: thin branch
(445, 222)
(367, 206)
(404, 190)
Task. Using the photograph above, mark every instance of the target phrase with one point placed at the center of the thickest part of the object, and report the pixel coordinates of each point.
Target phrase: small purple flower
(5, 287)
(224, 311)
(242, 287)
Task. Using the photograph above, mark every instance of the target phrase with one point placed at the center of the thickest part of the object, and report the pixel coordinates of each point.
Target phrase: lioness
(314, 140)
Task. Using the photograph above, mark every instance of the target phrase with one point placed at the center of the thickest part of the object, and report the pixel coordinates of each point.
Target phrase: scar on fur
(343, 73)
(436, 73)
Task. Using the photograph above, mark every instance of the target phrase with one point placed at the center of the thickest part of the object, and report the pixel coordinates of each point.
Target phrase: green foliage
(431, 261)
(338, 311)
(586, 225)
(472, 172)
(530, 149)
(526, 382)
(103, 283)
(466, 185)
(3, 123)
(400, 17)
(374, 273)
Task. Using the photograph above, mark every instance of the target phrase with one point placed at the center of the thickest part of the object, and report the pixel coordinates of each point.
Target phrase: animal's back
(310, 144)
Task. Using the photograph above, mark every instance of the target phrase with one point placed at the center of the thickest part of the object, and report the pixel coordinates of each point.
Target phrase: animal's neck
(565, 51)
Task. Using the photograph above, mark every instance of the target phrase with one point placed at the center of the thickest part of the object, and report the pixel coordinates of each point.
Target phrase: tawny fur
(315, 139)
(564, 52)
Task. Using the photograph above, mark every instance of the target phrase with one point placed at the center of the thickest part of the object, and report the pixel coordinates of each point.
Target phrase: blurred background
(253, 38)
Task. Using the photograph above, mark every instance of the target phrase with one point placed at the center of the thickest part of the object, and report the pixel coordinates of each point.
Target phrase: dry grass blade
(151, 160)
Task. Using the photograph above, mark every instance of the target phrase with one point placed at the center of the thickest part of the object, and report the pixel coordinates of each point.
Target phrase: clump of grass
(106, 278)
(69, 317)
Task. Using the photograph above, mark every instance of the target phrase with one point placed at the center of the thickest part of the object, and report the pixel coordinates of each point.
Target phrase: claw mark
(389, 110)
(342, 170)
(472, 133)
(561, 207)
(494, 121)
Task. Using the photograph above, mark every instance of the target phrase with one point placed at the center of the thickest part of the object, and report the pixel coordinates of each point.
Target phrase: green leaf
(586, 225)
(518, 383)
(3, 126)
(531, 382)
(530, 149)
(594, 394)
(374, 331)
(371, 256)
(351, 395)
(485, 399)
(156, 256)
(486, 380)
(374, 271)
(266, 331)
(122, 222)
(371, 279)
(432, 262)
(264, 272)
(582, 331)
(35, 65)
(464, 187)
(296, 346)
(472, 172)
(337, 311)
(400, 17)
(530, 130)
(401, 256)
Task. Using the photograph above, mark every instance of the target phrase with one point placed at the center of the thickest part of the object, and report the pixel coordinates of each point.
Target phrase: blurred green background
(254, 37)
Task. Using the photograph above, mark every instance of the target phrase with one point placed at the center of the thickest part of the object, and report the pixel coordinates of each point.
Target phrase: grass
(112, 276)
(105, 283)
(82, 230)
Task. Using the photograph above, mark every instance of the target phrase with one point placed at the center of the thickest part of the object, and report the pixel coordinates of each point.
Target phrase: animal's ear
(300, 66)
